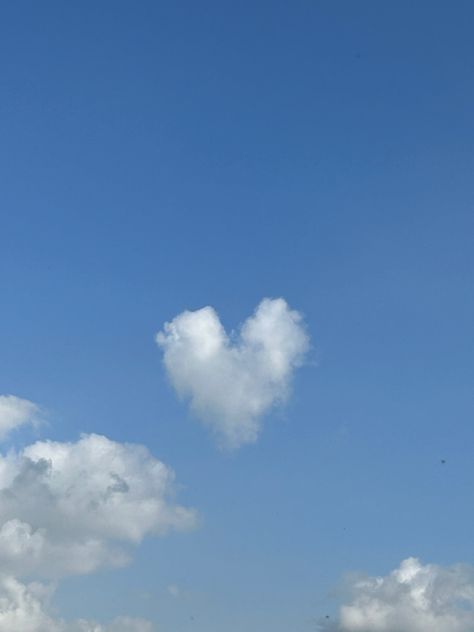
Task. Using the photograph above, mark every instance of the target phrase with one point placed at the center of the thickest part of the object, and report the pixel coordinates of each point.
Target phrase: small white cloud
(413, 598)
(232, 381)
(16, 412)
(66, 508)
(173, 590)
(25, 608)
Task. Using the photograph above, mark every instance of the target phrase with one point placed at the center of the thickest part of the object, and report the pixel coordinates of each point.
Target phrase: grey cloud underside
(68, 508)
(233, 381)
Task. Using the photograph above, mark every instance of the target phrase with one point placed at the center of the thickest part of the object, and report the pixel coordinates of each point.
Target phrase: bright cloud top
(66, 508)
(413, 598)
(16, 412)
(232, 381)
(26, 608)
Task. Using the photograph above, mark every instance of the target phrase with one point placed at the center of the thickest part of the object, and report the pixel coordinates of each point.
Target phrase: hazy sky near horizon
(167, 169)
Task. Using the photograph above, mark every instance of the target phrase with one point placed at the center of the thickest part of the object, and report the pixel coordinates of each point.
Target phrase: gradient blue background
(160, 156)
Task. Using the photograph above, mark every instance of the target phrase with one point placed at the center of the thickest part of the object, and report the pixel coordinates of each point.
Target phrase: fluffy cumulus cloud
(25, 608)
(232, 381)
(16, 412)
(413, 598)
(69, 508)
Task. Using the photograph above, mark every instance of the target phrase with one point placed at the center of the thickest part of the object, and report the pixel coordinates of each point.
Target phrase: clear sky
(160, 157)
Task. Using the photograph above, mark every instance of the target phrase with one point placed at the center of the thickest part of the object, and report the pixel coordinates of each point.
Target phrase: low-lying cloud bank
(412, 598)
(25, 608)
(233, 380)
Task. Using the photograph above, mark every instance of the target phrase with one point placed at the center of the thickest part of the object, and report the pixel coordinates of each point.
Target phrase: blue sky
(158, 157)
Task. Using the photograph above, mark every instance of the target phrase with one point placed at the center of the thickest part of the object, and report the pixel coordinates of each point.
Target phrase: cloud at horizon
(412, 598)
(26, 607)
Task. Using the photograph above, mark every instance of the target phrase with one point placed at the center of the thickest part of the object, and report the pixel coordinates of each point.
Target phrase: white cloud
(67, 508)
(232, 381)
(26, 608)
(21, 607)
(413, 598)
(16, 412)
(173, 590)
